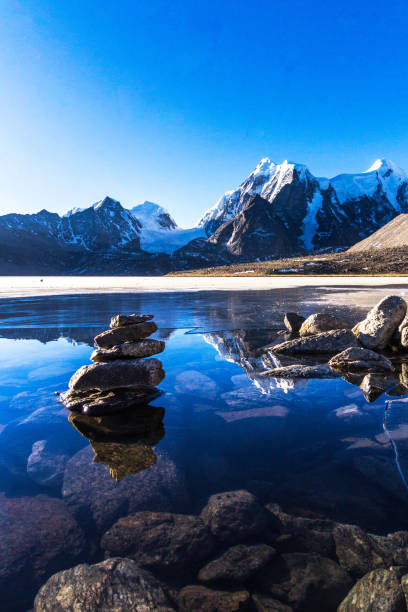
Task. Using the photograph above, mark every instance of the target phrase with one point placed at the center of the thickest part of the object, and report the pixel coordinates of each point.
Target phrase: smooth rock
(129, 350)
(98, 501)
(321, 322)
(115, 585)
(38, 536)
(103, 403)
(378, 591)
(160, 540)
(237, 565)
(196, 598)
(129, 333)
(307, 582)
(45, 467)
(293, 322)
(357, 552)
(300, 370)
(358, 359)
(302, 534)
(374, 385)
(234, 516)
(118, 374)
(124, 320)
(330, 342)
(380, 323)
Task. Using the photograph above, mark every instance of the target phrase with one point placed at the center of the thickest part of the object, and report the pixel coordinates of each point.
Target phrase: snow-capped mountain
(159, 232)
(295, 211)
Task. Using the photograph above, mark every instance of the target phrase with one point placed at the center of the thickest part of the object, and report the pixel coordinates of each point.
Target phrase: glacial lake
(317, 448)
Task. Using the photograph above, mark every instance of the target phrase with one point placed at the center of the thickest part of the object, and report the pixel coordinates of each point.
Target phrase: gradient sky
(176, 102)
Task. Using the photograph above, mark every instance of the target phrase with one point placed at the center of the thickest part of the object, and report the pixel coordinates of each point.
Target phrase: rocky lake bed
(237, 451)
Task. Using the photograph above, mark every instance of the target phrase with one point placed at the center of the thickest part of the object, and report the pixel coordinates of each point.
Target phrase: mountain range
(278, 210)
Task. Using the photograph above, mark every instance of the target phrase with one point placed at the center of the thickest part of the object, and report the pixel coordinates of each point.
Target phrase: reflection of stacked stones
(120, 376)
(123, 441)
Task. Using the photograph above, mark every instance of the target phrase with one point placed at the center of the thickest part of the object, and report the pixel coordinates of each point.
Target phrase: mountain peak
(107, 202)
(153, 216)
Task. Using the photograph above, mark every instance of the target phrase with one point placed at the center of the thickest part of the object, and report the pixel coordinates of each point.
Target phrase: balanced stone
(293, 321)
(128, 333)
(123, 320)
(330, 342)
(129, 350)
(321, 322)
(381, 322)
(118, 374)
(100, 403)
(356, 358)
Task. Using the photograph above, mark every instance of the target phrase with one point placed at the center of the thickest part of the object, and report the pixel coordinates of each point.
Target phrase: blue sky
(176, 102)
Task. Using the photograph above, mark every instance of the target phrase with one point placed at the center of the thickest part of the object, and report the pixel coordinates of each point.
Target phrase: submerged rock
(381, 322)
(379, 590)
(118, 585)
(237, 565)
(124, 458)
(234, 516)
(118, 374)
(293, 322)
(160, 540)
(321, 322)
(111, 402)
(263, 603)
(330, 342)
(44, 466)
(300, 370)
(128, 333)
(98, 501)
(358, 552)
(129, 350)
(124, 320)
(356, 358)
(196, 598)
(305, 581)
(38, 536)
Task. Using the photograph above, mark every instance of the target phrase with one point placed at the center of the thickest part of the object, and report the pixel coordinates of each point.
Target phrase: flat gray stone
(322, 322)
(118, 374)
(360, 359)
(330, 342)
(121, 320)
(129, 350)
(300, 371)
(128, 333)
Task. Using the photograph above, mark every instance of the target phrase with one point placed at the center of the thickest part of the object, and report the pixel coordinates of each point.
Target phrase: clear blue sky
(176, 101)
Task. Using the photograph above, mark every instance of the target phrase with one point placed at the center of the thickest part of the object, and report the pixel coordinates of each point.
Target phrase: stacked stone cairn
(123, 373)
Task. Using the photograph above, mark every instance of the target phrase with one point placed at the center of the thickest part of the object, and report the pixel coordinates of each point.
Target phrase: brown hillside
(393, 234)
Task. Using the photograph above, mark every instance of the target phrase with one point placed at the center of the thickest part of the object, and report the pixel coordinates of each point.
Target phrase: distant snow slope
(160, 233)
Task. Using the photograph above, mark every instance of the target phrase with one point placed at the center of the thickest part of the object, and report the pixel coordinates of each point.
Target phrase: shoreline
(27, 286)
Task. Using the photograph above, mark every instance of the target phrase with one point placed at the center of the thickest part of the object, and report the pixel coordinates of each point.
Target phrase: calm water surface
(316, 447)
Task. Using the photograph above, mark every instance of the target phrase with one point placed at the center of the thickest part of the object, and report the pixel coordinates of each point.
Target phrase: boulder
(38, 536)
(118, 374)
(128, 333)
(98, 501)
(268, 604)
(160, 540)
(378, 591)
(237, 565)
(234, 516)
(300, 370)
(330, 342)
(381, 322)
(102, 403)
(118, 585)
(358, 552)
(321, 322)
(196, 598)
(360, 359)
(293, 322)
(129, 350)
(307, 582)
(125, 320)
(44, 466)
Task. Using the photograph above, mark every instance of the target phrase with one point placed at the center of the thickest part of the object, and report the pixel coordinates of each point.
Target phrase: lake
(316, 447)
